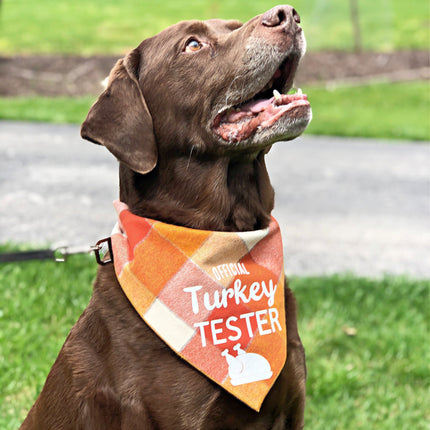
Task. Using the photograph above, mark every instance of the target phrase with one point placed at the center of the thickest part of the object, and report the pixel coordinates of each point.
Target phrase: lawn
(108, 26)
(366, 343)
(396, 111)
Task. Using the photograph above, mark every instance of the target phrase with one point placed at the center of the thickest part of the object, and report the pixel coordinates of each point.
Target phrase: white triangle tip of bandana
(251, 238)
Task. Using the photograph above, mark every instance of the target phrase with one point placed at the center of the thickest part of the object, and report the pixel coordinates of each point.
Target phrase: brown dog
(190, 115)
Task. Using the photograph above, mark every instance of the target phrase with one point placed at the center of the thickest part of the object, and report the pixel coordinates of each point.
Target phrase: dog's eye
(193, 45)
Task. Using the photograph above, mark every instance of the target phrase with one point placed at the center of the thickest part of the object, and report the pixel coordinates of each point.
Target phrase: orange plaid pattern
(216, 298)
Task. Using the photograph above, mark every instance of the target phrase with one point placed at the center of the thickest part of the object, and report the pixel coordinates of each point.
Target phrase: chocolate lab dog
(190, 114)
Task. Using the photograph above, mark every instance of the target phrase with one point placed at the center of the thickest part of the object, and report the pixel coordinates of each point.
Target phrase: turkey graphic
(246, 367)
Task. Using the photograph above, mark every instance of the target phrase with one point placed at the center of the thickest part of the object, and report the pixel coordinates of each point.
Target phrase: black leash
(102, 250)
(40, 254)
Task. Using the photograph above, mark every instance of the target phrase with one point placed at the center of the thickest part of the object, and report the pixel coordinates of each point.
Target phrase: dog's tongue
(257, 105)
(239, 123)
(253, 107)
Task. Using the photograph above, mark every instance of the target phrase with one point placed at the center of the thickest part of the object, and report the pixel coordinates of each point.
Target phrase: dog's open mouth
(264, 109)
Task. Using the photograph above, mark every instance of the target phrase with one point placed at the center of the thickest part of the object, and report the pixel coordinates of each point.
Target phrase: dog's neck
(220, 194)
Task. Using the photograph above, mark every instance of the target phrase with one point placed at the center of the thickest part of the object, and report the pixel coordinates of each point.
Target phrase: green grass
(55, 109)
(109, 26)
(40, 301)
(379, 378)
(397, 111)
(376, 379)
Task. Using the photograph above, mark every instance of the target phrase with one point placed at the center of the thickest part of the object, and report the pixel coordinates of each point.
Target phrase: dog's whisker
(189, 157)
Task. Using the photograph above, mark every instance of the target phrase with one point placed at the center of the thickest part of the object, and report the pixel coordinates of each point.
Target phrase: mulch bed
(76, 76)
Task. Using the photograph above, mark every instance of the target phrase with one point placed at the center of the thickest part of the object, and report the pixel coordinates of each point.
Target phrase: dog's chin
(286, 128)
(284, 122)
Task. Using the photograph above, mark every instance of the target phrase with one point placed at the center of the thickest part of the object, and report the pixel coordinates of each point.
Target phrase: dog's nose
(283, 16)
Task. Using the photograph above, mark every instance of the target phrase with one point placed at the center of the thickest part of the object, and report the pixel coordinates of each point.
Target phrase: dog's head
(214, 86)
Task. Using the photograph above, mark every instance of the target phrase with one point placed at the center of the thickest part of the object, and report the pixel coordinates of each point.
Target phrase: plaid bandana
(216, 298)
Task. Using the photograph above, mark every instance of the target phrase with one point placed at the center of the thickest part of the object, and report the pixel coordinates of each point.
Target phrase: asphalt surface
(344, 205)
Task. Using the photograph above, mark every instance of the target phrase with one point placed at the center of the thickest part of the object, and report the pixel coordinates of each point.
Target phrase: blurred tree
(355, 25)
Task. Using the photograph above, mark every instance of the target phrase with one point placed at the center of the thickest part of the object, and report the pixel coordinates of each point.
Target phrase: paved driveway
(343, 204)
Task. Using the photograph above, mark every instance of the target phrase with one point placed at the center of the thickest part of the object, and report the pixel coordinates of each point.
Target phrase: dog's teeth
(299, 91)
(277, 95)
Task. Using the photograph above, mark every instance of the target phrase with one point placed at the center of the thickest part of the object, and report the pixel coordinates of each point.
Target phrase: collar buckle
(103, 251)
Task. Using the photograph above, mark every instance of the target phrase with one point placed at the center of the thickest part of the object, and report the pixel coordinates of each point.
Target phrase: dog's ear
(120, 119)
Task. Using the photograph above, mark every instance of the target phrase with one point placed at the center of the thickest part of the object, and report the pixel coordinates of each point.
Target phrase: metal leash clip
(102, 250)
(61, 253)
